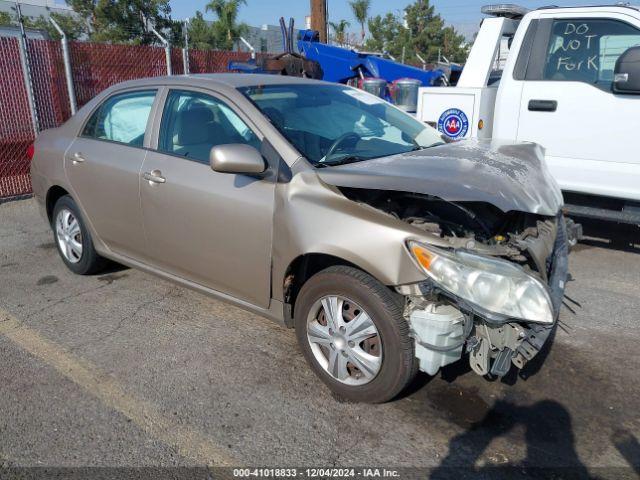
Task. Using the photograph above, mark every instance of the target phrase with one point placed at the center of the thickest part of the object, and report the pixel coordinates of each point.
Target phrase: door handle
(154, 176)
(543, 105)
(78, 158)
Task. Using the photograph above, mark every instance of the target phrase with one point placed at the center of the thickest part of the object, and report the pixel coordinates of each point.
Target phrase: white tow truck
(571, 83)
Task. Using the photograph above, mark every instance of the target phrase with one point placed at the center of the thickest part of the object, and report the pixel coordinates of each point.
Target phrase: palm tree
(226, 25)
(340, 29)
(360, 9)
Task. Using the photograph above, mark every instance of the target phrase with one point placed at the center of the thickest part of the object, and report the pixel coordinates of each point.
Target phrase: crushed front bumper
(537, 335)
(495, 342)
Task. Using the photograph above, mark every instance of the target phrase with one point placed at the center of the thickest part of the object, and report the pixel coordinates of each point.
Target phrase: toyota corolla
(388, 249)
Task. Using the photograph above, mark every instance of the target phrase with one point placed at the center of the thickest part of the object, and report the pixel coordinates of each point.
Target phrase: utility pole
(319, 18)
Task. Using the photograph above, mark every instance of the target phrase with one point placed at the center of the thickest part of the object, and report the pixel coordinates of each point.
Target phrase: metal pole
(167, 54)
(167, 49)
(66, 58)
(26, 72)
(250, 47)
(185, 50)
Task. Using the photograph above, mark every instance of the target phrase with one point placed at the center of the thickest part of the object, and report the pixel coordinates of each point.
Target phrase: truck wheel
(353, 334)
(73, 240)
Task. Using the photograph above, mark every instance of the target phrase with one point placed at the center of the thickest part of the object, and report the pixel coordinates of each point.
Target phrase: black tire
(90, 262)
(385, 307)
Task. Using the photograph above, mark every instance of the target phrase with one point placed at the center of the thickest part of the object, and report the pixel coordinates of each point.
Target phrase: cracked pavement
(124, 369)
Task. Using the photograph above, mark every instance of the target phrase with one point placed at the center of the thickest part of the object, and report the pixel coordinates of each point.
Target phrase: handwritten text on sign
(577, 45)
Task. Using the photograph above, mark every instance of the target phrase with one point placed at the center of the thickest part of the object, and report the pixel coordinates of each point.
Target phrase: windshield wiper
(344, 161)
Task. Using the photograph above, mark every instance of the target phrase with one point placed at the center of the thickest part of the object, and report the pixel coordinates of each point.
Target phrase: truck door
(567, 105)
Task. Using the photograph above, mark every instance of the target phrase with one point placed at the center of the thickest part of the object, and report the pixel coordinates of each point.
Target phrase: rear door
(103, 167)
(590, 133)
(211, 228)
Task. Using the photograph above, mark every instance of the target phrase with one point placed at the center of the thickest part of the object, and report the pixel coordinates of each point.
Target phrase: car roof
(229, 80)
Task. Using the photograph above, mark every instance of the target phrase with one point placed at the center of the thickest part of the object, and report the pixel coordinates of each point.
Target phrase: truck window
(500, 59)
(586, 50)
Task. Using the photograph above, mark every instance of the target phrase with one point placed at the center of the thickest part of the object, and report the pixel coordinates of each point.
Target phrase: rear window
(122, 118)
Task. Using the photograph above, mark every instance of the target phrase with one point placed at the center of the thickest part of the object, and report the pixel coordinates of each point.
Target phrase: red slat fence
(95, 67)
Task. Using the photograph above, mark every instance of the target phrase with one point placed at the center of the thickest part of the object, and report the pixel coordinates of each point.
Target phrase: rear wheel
(73, 240)
(353, 334)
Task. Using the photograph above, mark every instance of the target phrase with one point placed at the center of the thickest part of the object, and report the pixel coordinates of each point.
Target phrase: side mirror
(626, 76)
(236, 158)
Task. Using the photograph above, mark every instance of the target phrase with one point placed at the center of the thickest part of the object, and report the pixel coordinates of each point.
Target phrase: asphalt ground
(125, 370)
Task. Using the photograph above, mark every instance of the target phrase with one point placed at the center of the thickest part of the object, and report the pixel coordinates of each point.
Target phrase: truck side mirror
(626, 75)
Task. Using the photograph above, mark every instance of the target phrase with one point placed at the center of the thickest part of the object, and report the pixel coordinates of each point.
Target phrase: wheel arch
(54, 193)
(301, 269)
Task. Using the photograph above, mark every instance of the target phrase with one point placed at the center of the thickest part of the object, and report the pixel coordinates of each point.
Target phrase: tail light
(31, 150)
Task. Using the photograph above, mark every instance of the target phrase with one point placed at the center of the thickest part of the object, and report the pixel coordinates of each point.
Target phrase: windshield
(335, 124)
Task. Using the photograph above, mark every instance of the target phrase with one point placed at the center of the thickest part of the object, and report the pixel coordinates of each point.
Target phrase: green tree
(384, 32)
(226, 27)
(425, 33)
(71, 25)
(73, 28)
(127, 21)
(340, 30)
(360, 9)
(429, 34)
(201, 34)
(5, 19)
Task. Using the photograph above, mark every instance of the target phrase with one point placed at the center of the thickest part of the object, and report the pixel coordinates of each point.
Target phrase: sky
(462, 14)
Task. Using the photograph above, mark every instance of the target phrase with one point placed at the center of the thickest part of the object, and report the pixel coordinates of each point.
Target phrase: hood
(506, 175)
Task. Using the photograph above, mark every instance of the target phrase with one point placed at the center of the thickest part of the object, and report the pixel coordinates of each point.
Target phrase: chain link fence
(94, 67)
(16, 131)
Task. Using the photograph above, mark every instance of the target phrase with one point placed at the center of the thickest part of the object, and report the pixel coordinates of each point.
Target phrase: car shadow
(550, 445)
(112, 268)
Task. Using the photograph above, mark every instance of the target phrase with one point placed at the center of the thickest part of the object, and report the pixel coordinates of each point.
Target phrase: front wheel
(354, 336)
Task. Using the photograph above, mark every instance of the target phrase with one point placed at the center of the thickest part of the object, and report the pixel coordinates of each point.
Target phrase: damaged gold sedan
(322, 207)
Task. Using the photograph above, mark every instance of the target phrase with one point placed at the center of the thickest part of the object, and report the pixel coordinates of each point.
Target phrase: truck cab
(570, 82)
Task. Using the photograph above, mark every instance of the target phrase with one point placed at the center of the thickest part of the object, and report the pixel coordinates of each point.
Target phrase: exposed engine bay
(446, 325)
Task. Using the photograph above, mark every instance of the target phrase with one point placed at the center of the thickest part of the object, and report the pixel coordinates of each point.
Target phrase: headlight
(492, 284)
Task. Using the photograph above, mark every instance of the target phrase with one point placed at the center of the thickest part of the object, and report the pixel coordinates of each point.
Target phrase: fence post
(185, 50)
(67, 66)
(26, 72)
(167, 49)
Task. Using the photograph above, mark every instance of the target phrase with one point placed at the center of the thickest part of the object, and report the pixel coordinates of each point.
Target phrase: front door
(103, 167)
(590, 134)
(211, 228)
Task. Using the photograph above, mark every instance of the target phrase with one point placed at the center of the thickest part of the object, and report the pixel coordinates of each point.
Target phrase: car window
(587, 50)
(193, 123)
(332, 124)
(122, 118)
